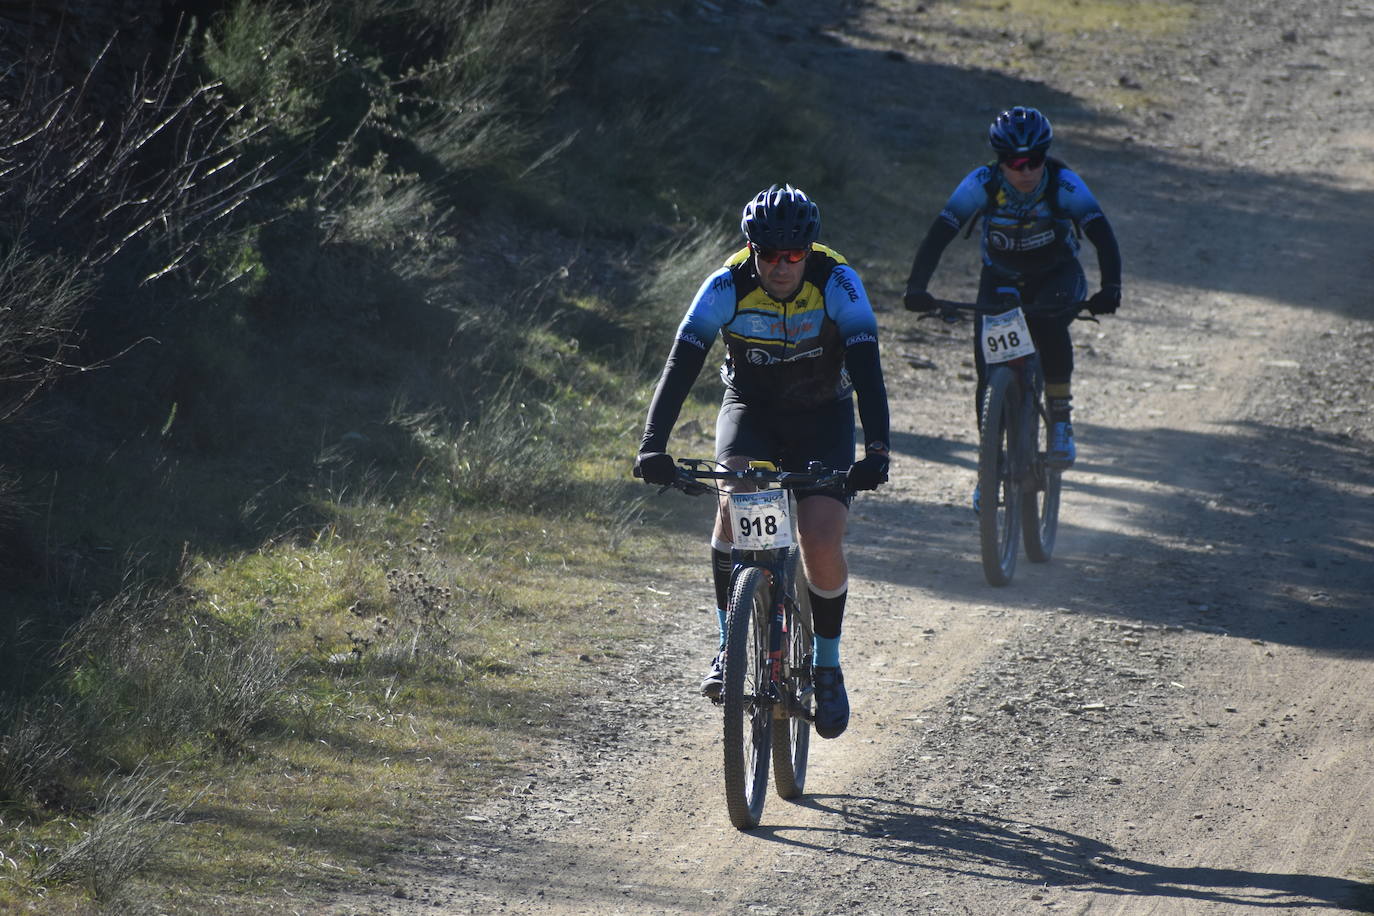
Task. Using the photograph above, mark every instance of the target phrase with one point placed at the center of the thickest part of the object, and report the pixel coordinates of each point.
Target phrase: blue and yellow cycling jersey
(818, 347)
(789, 354)
(1024, 235)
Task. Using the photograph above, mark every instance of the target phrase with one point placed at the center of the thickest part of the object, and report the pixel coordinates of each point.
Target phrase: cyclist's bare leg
(821, 524)
(723, 532)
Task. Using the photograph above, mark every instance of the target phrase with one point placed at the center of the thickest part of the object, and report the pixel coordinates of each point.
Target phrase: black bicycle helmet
(1020, 131)
(781, 217)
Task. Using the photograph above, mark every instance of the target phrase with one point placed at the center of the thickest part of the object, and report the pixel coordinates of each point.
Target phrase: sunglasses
(773, 255)
(1024, 163)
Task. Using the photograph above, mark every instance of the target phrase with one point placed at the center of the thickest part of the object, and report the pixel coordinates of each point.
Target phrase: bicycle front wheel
(748, 711)
(792, 729)
(1040, 502)
(999, 515)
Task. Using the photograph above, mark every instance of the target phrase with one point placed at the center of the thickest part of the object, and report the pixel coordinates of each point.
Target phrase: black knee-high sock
(721, 568)
(827, 614)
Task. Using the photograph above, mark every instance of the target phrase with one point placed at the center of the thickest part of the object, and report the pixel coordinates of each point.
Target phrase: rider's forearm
(679, 373)
(866, 373)
(1100, 233)
(938, 237)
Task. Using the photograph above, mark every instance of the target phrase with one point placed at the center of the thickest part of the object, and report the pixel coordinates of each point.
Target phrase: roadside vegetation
(326, 331)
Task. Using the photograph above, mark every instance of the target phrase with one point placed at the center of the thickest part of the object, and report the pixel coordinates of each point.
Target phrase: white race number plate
(761, 520)
(1006, 337)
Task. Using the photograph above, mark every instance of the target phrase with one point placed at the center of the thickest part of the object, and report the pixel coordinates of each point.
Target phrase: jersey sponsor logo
(766, 327)
(693, 339)
(861, 337)
(721, 282)
(761, 357)
(999, 240)
(848, 286)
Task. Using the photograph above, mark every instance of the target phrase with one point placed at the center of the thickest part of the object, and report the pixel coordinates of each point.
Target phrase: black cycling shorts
(789, 438)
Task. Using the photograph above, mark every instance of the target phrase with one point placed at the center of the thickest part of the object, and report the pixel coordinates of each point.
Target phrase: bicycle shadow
(987, 847)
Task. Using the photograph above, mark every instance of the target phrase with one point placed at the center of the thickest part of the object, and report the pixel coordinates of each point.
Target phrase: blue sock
(720, 619)
(826, 651)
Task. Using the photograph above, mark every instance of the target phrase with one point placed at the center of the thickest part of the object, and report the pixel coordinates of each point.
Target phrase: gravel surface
(1173, 715)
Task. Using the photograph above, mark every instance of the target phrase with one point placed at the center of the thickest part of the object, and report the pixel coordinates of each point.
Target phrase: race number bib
(1005, 337)
(761, 520)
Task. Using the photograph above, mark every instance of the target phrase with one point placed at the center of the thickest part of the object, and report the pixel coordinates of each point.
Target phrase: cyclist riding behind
(1034, 208)
(801, 341)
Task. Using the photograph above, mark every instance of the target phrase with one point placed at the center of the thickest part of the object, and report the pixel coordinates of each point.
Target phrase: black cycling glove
(1105, 301)
(657, 468)
(867, 472)
(919, 300)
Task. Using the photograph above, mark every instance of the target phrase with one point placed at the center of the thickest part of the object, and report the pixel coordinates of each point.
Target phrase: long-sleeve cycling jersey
(818, 347)
(1024, 235)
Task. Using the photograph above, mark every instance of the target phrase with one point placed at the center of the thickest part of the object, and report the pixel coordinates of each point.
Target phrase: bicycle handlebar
(948, 309)
(692, 471)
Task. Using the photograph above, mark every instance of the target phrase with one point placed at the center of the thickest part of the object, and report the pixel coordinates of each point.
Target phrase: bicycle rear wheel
(1040, 501)
(748, 713)
(999, 516)
(792, 732)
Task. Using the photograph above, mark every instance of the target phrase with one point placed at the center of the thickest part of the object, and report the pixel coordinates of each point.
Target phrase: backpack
(1054, 167)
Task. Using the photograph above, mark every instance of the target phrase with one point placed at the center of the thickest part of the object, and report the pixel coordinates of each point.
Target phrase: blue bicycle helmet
(781, 217)
(1020, 131)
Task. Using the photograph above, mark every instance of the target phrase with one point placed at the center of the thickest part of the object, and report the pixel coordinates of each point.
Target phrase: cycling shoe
(832, 702)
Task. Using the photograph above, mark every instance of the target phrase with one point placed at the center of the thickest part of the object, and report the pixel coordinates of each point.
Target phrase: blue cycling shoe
(832, 702)
(1062, 450)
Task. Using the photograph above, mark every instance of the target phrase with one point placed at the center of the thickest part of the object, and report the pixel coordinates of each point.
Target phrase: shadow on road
(1251, 530)
(1045, 859)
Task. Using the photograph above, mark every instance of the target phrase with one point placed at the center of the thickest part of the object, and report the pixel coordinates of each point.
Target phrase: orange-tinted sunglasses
(772, 255)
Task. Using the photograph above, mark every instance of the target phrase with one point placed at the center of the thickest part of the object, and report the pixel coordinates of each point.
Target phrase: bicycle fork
(776, 687)
(1028, 470)
(777, 641)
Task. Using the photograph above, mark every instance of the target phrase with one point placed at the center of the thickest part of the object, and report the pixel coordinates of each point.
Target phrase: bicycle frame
(1013, 469)
(767, 662)
(774, 564)
(1030, 385)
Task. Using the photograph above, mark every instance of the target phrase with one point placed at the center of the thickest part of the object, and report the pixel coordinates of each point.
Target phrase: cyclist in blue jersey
(1033, 209)
(801, 342)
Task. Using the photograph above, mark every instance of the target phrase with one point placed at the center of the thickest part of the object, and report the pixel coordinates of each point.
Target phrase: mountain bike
(1019, 487)
(768, 696)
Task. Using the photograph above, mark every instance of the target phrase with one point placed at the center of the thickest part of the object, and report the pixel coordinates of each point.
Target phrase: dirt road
(1174, 716)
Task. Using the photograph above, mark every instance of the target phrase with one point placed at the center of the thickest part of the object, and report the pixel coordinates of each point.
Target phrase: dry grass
(352, 648)
(131, 824)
